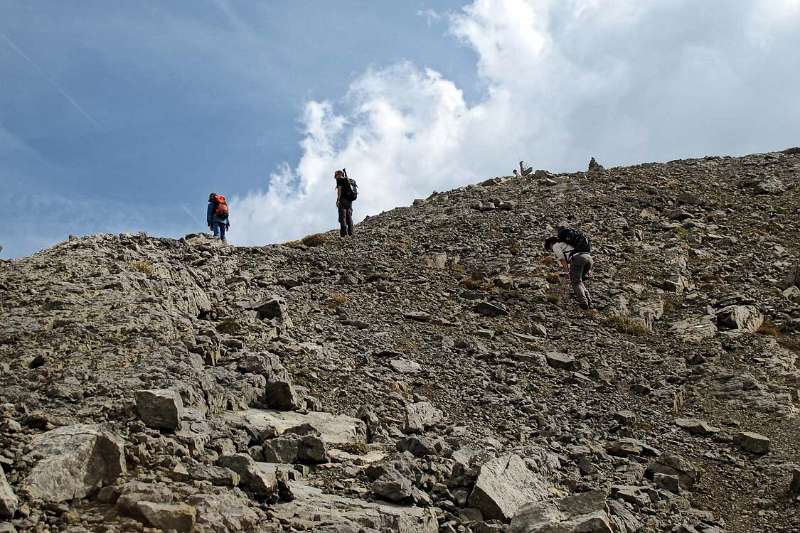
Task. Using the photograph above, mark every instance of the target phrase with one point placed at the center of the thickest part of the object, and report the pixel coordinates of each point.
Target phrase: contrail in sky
(192, 216)
(50, 80)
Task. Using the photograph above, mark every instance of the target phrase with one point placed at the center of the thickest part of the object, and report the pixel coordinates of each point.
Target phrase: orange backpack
(221, 210)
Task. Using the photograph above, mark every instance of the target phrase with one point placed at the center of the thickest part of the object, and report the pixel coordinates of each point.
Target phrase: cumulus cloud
(564, 80)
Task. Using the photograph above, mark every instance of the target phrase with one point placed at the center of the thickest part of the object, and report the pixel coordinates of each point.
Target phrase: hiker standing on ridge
(217, 215)
(346, 193)
(573, 250)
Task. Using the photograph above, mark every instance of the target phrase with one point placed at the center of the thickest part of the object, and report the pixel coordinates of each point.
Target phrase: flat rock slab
(752, 442)
(334, 430)
(504, 485)
(561, 360)
(314, 510)
(628, 446)
(72, 462)
(490, 309)
(405, 366)
(544, 517)
(696, 426)
(694, 330)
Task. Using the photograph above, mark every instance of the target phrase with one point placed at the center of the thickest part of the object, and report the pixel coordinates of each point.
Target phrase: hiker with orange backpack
(217, 215)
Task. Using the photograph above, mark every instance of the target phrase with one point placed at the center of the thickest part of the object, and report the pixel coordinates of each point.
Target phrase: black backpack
(351, 190)
(577, 239)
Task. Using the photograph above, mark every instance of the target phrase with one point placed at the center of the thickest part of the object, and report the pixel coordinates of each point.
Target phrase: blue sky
(123, 116)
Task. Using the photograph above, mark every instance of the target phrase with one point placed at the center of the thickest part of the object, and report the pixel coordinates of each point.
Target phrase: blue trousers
(219, 230)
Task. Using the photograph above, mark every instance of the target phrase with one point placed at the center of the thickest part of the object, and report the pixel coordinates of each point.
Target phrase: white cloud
(625, 81)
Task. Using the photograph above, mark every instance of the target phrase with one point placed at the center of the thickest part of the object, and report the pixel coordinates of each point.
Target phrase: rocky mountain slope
(431, 374)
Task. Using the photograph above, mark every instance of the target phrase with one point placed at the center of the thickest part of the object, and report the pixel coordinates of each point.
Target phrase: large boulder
(674, 465)
(160, 409)
(258, 478)
(279, 391)
(504, 485)
(742, 317)
(393, 486)
(8, 500)
(293, 448)
(73, 462)
(275, 309)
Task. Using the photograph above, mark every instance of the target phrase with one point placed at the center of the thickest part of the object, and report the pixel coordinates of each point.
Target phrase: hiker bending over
(346, 193)
(573, 250)
(217, 215)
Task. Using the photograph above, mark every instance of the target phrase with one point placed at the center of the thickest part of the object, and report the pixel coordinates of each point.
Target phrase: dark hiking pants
(579, 267)
(345, 219)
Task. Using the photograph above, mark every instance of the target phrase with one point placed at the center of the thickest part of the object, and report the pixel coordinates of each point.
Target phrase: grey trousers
(345, 219)
(579, 268)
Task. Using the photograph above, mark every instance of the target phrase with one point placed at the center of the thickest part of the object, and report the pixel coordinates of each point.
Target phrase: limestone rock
(579, 513)
(73, 462)
(333, 429)
(393, 486)
(312, 509)
(742, 317)
(490, 309)
(674, 465)
(752, 442)
(694, 330)
(628, 446)
(418, 446)
(259, 479)
(504, 485)
(695, 426)
(168, 517)
(420, 416)
(8, 500)
(274, 308)
(771, 185)
(404, 366)
(561, 360)
(794, 487)
(224, 512)
(281, 450)
(667, 482)
(160, 409)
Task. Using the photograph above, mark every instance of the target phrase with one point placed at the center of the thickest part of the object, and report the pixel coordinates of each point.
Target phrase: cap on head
(212, 196)
(338, 174)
